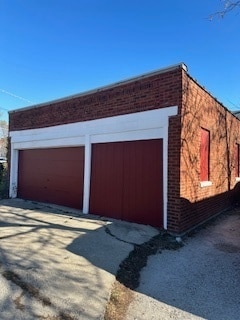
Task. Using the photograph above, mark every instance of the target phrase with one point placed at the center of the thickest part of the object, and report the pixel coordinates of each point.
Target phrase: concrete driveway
(57, 265)
(201, 280)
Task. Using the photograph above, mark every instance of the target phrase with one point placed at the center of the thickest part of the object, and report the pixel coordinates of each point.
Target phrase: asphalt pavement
(200, 280)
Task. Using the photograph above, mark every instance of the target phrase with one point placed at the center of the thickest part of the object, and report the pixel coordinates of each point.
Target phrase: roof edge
(103, 88)
(213, 97)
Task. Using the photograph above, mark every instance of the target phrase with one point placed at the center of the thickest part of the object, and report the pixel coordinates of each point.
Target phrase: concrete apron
(56, 263)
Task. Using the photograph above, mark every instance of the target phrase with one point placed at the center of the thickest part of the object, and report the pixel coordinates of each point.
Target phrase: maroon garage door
(126, 181)
(52, 175)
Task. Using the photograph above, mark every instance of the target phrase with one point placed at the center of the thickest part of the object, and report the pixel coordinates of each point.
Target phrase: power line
(15, 96)
(234, 104)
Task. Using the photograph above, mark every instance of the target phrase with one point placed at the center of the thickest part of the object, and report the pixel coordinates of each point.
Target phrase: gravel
(197, 281)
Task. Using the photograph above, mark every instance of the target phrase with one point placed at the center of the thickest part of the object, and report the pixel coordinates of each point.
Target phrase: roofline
(103, 88)
(216, 99)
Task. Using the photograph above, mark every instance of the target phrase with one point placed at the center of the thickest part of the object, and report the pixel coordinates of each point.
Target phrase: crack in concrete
(33, 292)
(128, 273)
(26, 287)
(18, 303)
(107, 230)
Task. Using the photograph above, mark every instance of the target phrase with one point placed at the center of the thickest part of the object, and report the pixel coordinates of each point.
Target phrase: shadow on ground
(56, 264)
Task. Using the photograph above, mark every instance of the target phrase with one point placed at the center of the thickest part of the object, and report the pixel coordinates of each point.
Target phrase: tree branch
(228, 6)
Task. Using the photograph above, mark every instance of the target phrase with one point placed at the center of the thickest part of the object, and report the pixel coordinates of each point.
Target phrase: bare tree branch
(228, 6)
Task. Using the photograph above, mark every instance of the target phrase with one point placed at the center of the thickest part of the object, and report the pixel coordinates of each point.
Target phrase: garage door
(52, 175)
(127, 181)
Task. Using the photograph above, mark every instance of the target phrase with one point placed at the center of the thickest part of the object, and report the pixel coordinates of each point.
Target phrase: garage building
(157, 149)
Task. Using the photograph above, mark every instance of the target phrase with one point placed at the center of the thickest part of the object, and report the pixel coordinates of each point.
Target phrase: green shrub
(4, 183)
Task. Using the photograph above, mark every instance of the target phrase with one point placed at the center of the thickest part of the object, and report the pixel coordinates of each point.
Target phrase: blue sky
(54, 48)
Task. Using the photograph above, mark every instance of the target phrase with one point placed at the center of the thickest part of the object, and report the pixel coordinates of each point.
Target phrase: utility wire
(15, 96)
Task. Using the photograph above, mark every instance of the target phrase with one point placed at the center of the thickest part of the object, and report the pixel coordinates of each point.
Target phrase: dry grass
(118, 303)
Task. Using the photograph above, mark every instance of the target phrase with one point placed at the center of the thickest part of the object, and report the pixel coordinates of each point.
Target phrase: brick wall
(157, 91)
(200, 109)
(174, 146)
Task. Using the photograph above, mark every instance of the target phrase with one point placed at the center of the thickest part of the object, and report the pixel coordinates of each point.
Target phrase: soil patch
(128, 275)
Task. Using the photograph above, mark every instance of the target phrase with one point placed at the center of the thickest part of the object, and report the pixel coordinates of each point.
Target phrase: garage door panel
(142, 192)
(52, 175)
(106, 180)
(127, 181)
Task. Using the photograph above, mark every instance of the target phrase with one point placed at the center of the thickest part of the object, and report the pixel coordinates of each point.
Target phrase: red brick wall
(174, 145)
(157, 91)
(200, 109)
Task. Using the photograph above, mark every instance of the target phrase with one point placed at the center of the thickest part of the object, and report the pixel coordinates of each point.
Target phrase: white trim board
(145, 125)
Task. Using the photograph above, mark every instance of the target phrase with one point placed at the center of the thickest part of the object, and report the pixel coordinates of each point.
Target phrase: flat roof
(142, 76)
